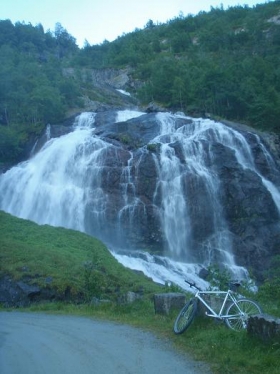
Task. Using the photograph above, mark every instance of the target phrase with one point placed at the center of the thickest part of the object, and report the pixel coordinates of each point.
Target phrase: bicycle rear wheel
(240, 313)
(185, 317)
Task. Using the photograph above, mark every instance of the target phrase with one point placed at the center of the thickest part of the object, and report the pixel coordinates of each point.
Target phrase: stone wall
(264, 327)
(164, 303)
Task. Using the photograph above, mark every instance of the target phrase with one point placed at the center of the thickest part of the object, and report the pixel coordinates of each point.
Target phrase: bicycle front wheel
(185, 317)
(240, 312)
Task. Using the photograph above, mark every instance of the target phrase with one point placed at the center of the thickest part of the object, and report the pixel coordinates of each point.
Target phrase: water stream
(62, 183)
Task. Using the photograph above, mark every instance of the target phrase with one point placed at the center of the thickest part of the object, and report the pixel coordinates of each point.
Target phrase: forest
(224, 63)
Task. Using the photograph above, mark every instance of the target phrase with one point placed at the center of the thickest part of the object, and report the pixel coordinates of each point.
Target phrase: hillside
(43, 263)
(224, 62)
(221, 63)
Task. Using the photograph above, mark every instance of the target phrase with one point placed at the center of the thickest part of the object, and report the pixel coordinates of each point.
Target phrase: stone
(153, 107)
(17, 294)
(28, 290)
(164, 303)
(264, 327)
(132, 296)
(23, 293)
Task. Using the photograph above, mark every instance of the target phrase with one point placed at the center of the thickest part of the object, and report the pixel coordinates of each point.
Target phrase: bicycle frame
(229, 295)
(240, 308)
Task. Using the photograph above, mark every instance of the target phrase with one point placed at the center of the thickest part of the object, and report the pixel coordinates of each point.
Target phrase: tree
(179, 93)
(65, 42)
(7, 33)
(150, 25)
(10, 144)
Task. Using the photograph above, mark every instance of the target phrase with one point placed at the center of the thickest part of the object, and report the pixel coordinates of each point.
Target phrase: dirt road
(40, 343)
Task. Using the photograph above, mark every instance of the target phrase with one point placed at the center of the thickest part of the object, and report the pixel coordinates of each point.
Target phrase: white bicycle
(236, 315)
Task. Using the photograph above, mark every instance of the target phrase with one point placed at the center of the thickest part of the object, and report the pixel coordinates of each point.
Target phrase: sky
(99, 20)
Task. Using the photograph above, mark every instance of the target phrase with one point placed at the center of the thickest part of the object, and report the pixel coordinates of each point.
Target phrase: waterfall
(175, 217)
(237, 142)
(64, 184)
(48, 131)
(55, 185)
(131, 201)
(176, 204)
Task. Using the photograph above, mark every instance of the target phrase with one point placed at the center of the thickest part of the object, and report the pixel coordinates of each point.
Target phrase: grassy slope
(72, 259)
(61, 254)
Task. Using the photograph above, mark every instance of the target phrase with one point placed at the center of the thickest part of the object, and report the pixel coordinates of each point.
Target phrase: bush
(218, 278)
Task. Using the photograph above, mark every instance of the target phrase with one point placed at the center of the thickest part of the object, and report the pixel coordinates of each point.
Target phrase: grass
(83, 264)
(72, 260)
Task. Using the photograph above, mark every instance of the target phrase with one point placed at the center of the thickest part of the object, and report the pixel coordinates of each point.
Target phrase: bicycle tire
(238, 321)
(185, 317)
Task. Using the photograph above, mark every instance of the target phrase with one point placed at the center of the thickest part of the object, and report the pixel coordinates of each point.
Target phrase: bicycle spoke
(239, 312)
(185, 317)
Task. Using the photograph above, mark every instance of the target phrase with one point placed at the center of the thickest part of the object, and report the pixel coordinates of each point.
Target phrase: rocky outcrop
(116, 78)
(24, 292)
(250, 212)
(107, 88)
(264, 327)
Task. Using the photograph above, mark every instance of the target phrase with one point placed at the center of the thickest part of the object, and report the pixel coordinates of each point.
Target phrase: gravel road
(40, 343)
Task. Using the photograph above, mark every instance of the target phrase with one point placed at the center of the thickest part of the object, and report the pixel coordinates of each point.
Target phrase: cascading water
(66, 184)
(54, 186)
(175, 217)
(176, 205)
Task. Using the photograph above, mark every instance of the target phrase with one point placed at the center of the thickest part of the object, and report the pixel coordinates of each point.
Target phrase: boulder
(17, 294)
(264, 327)
(24, 292)
(164, 303)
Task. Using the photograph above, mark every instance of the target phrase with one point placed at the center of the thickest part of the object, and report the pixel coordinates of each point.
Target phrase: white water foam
(162, 270)
(124, 92)
(125, 115)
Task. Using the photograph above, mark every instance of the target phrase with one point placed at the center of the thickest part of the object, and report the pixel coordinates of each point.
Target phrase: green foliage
(268, 294)
(33, 90)
(94, 280)
(222, 62)
(218, 278)
(269, 291)
(228, 351)
(153, 147)
(10, 145)
(73, 260)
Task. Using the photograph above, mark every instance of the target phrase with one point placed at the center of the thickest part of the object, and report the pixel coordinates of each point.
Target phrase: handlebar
(232, 284)
(193, 285)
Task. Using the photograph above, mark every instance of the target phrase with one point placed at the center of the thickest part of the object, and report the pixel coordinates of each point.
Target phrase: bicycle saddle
(234, 283)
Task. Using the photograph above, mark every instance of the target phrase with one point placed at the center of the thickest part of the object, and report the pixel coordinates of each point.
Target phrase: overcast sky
(97, 20)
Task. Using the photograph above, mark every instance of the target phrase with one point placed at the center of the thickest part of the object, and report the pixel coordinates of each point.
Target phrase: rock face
(231, 193)
(193, 189)
(264, 327)
(22, 293)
